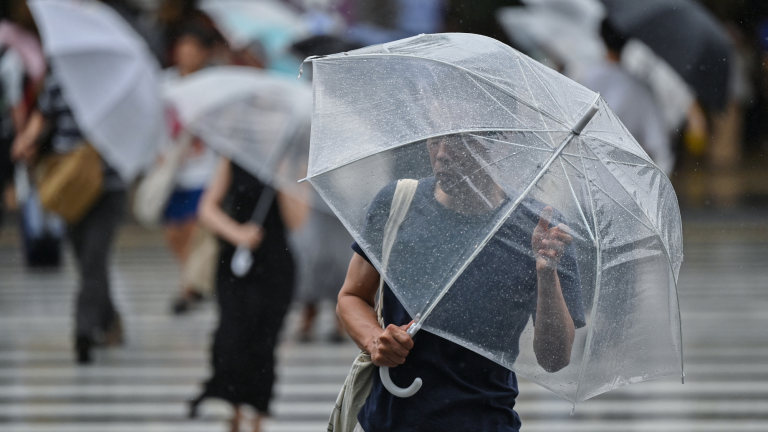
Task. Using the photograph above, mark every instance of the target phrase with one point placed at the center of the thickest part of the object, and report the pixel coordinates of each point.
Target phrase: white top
(634, 104)
(11, 78)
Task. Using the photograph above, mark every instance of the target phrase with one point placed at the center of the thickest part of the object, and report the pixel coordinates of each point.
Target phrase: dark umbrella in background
(684, 34)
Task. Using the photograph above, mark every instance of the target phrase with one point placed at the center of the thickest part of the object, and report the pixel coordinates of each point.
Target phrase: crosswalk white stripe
(661, 390)
(281, 408)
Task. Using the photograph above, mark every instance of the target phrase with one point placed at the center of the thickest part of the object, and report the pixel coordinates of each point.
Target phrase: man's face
(453, 158)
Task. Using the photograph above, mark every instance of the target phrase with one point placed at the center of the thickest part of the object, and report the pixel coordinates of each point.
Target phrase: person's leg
(234, 422)
(180, 231)
(92, 239)
(308, 315)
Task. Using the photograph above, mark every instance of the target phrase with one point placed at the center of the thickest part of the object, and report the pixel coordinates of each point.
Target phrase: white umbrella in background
(272, 23)
(673, 94)
(109, 78)
(565, 31)
(258, 120)
(250, 116)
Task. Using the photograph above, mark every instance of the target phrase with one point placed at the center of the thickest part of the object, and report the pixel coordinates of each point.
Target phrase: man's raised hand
(548, 244)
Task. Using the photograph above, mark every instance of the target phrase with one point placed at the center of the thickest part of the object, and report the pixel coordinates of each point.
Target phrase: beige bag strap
(401, 201)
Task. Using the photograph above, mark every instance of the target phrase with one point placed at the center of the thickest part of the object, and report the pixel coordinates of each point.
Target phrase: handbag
(357, 385)
(156, 187)
(199, 270)
(70, 184)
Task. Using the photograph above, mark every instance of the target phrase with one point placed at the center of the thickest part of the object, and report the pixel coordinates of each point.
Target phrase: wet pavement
(143, 386)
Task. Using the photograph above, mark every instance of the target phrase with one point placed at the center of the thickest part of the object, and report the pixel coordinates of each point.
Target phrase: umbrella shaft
(263, 205)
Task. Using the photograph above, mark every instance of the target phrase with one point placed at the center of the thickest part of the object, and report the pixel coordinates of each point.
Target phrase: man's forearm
(554, 330)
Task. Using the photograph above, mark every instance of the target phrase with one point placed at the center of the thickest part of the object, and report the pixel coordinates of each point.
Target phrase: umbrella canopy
(109, 78)
(270, 22)
(499, 137)
(684, 34)
(259, 120)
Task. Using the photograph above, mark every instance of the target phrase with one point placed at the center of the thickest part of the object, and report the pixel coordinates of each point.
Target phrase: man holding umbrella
(530, 256)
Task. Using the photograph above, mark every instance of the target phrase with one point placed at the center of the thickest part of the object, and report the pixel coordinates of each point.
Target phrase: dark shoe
(180, 306)
(337, 338)
(83, 347)
(185, 302)
(113, 336)
(194, 404)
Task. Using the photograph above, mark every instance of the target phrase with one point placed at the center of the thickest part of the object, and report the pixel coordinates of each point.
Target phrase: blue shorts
(182, 205)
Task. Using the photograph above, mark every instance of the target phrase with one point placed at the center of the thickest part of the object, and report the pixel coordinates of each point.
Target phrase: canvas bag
(156, 187)
(70, 184)
(357, 385)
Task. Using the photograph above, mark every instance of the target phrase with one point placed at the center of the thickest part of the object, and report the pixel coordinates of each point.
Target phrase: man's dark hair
(614, 40)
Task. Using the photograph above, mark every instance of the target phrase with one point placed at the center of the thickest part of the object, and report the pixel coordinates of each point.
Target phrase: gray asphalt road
(143, 386)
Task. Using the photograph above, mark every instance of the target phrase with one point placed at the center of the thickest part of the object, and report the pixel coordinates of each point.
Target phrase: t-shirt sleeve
(358, 250)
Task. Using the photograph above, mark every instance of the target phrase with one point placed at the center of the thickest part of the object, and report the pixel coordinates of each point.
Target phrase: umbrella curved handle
(387, 381)
(242, 260)
(393, 388)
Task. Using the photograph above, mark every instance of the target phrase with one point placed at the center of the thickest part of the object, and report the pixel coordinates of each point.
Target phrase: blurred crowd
(207, 202)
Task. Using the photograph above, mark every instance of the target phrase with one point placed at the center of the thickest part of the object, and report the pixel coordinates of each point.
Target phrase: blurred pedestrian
(97, 321)
(251, 308)
(631, 99)
(321, 242)
(322, 248)
(185, 238)
(11, 117)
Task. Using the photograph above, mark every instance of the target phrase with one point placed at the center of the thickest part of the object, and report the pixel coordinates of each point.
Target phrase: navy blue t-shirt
(462, 389)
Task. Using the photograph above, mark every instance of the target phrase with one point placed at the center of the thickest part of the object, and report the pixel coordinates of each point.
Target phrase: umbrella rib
(548, 150)
(463, 69)
(620, 148)
(621, 205)
(576, 200)
(528, 85)
(378, 151)
(496, 227)
(612, 160)
(598, 280)
(645, 213)
(546, 88)
(505, 108)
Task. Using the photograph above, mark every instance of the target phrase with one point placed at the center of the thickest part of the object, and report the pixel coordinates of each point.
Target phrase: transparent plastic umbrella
(258, 120)
(109, 78)
(494, 138)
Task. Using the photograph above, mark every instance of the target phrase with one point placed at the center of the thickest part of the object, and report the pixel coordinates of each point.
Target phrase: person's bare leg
(178, 236)
(257, 420)
(234, 422)
(309, 313)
